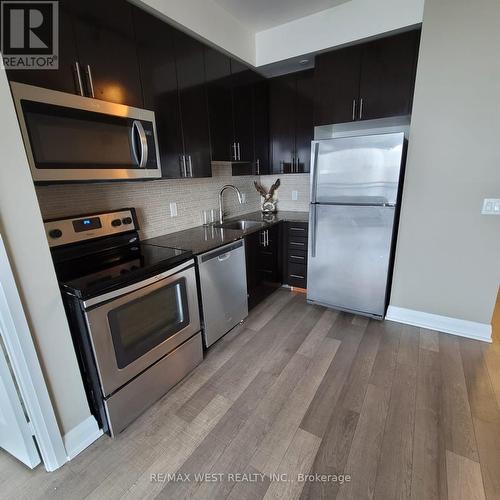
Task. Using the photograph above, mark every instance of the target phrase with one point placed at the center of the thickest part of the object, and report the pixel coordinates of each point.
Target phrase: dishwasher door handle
(224, 257)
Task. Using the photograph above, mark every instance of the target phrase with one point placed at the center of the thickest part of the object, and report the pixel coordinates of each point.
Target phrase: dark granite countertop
(202, 239)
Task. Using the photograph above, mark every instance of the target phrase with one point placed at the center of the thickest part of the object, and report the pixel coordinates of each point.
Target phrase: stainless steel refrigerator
(355, 185)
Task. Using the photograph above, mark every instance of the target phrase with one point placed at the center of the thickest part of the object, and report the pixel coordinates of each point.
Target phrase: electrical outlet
(173, 209)
(491, 206)
(295, 195)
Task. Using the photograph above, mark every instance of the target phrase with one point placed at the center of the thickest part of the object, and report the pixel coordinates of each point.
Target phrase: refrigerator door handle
(313, 231)
(314, 170)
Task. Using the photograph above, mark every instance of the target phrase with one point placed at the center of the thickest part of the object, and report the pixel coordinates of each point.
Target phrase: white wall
(448, 254)
(22, 229)
(345, 23)
(208, 21)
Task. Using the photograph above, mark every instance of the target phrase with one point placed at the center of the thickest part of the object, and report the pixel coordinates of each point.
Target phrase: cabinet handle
(282, 166)
(234, 151)
(190, 163)
(297, 276)
(361, 109)
(239, 152)
(297, 257)
(89, 80)
(257, 166)
(78, 76)
(263, 239)
(183, 165)
(353, 109)
(297, 244)
(297, 229)
(297, 166)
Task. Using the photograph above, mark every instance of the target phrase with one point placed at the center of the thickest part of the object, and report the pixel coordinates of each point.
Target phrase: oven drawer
(130, 401)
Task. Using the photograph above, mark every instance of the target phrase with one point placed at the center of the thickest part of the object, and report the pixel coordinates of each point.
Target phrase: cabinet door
(220, 104)
(159, 84)
(282, 123)
(304, 120)
(261, 127)
(388, 76)
(62, 79)
(269, 256)
(242, 110)
(253, 278)
(193, 104)
(337, 86)
(105, 41)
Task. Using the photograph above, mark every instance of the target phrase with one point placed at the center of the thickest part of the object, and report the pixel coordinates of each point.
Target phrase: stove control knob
(55, 233)
(127, 220)
(116, 222)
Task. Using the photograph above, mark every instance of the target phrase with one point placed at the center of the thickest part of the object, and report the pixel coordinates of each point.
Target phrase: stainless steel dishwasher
(223, 283)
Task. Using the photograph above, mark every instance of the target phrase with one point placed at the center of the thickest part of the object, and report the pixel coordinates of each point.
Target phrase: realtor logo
(30, 35)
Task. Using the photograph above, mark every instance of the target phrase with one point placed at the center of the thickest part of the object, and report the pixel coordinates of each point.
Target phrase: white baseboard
(81, 436)
(461, 327)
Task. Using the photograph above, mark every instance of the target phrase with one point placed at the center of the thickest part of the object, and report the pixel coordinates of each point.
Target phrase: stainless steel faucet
(221, 193)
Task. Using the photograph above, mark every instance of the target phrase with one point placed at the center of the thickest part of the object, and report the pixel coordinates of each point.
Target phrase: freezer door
(357, 170)
(349, 254)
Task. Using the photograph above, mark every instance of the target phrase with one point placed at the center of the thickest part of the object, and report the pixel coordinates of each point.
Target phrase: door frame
(27, 370)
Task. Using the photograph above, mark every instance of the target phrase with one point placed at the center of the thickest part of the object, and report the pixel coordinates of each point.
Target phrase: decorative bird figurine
(269, 204)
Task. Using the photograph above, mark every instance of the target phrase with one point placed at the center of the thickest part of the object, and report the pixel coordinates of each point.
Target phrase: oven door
(72, 138)
(133, 331)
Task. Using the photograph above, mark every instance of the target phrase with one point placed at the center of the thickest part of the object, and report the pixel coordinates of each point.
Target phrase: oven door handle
(138, 129)
(135, 286)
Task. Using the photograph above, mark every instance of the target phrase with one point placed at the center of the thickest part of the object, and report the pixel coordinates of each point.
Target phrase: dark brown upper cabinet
(291, 109)
(172, 68)
(97, 53)
(159, 85)
(220, 104)
(243, 80)
(190, 64)
(107, 51)
(367, 81)
(337, 86)
(261, 127)
(388, 76)
(64, 78)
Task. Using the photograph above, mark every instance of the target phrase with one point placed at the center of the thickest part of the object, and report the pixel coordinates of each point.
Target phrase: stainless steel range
(133, 311)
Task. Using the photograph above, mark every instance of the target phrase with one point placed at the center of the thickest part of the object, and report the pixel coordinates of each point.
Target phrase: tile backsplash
(152, 199)
(290, 183)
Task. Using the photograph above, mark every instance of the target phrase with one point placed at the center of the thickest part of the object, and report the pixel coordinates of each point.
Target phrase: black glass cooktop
(88, 272)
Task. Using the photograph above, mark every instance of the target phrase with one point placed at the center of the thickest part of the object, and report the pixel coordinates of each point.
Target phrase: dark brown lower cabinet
(263, 259)
(295, 254)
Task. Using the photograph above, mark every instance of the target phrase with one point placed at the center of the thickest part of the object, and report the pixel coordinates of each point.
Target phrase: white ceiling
(260, 15)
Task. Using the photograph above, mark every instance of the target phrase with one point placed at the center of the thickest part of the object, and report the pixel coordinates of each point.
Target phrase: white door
(15, 433)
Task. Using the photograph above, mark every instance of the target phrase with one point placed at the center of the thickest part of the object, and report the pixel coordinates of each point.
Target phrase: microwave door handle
(137, 128)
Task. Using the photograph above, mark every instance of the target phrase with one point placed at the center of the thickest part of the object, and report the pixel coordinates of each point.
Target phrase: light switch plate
(295, 195)
(491, 206)
(173, 209)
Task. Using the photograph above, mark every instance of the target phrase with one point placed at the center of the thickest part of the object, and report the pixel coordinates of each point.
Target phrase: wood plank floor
(297, 389)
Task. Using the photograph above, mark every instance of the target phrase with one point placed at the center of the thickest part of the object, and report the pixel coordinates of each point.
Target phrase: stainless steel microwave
(70, 138)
